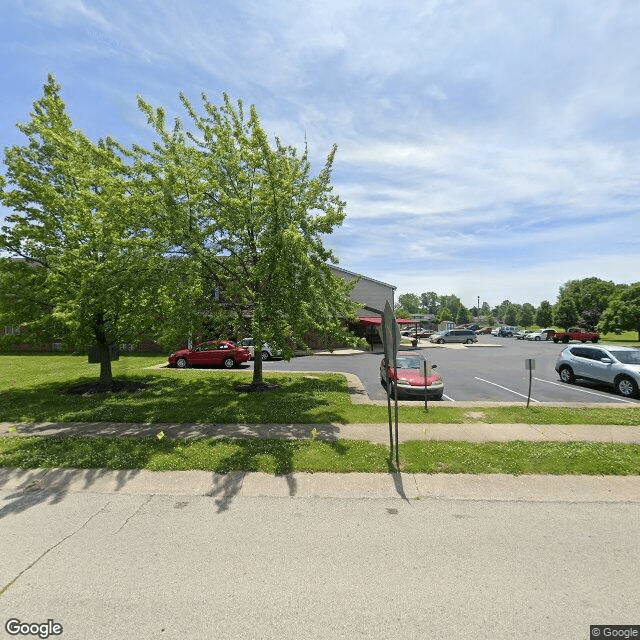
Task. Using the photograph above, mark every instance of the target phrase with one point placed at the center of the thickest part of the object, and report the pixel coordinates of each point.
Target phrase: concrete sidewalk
(38, 485)
(471, 432)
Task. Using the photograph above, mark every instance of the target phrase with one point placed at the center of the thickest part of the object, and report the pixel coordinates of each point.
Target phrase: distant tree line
(591, 303)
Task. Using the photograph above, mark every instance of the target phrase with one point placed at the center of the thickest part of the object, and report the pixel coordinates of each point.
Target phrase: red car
(411, 380)
(220, 352)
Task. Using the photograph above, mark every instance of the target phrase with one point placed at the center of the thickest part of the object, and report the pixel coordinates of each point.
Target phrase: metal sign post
(529, 365)
(426, 408)
(390, 341)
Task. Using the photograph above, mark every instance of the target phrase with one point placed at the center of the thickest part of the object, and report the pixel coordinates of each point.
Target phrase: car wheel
(229, 362)
(566, 375)
(182, 363)
(441, 341)
(565, 340)
(626, 387)
(537, 338)
(594, 340)
(468, 341)
(264, 355)
(555, 340)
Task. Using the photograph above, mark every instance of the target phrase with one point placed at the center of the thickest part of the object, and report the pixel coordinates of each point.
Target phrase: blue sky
(485, 148)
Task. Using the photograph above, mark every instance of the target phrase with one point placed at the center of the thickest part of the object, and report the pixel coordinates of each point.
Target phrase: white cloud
(472, 136)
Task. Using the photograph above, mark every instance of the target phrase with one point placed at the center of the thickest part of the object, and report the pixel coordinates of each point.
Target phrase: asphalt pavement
(491, 370)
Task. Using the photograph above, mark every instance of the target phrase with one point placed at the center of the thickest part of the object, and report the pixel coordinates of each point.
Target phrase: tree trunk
(257, 363)
(106, 376)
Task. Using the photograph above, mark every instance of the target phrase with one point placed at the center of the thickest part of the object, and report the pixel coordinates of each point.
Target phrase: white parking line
(505, 388)
(591, 393)
(448, 398)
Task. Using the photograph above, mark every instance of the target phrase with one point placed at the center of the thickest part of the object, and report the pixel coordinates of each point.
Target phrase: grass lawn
(32, 389)
(342, 456)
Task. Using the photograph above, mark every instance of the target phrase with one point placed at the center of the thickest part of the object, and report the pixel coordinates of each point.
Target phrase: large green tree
(510, 313)
(590, 295)
(526, 315)
(429, 302)
(409, 302)
(463, 316)
(544, 314)
(623, 312)
(565, 312)
(252, 216)
(79, 261)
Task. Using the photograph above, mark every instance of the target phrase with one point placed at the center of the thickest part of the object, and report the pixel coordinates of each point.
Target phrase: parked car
(454, 335)
(521, 334)
(618, 367)
(266, 353)
(495, 331)
(575, 333)
(543, 334)
(215, 352)
(507, 331)
(411, 380)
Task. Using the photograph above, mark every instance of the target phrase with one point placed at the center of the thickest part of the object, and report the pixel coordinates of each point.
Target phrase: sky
(486, 148)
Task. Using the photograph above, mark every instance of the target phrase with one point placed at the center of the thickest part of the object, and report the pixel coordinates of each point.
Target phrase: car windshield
(628, 357)
(409, 363)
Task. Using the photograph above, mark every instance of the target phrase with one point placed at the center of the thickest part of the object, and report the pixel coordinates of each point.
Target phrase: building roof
(355, 275)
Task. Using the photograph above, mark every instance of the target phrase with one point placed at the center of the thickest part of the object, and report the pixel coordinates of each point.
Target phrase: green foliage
(565, 313)
(444, 314)
(250, 217)
(450, 302)
(510, 314)
(588, 292)
(623, 312)
(544, 314)
(463, 316)
(429, 302)
(526, 315)
(81, 262)
(409, 302)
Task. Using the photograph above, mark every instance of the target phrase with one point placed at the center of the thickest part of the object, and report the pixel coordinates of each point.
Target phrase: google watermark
(614, 631)
(15, 627)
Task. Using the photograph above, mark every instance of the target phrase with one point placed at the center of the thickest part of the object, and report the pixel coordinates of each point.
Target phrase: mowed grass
(32, 388)
(281, 457)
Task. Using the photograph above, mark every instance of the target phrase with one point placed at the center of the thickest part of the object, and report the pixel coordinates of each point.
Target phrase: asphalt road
(113, 566)
(493, 370)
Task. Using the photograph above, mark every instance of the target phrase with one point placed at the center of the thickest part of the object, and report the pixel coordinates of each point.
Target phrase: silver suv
(618, 367)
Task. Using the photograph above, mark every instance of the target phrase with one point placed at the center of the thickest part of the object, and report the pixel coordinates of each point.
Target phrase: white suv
(618, 367)
(266, 353)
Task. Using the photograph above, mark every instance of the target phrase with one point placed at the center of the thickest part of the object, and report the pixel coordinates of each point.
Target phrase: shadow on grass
(44, 470)
(181, 399)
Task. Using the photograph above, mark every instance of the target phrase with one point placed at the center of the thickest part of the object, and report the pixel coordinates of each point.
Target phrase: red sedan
(221, 353)
(411, 380)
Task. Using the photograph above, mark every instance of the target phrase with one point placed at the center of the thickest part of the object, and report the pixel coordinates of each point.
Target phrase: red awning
(376, 320)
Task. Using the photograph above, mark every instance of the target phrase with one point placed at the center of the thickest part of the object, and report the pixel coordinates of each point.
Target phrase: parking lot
(493, 370)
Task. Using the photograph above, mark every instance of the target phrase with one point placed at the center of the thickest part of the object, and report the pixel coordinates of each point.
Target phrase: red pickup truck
(575, 334)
